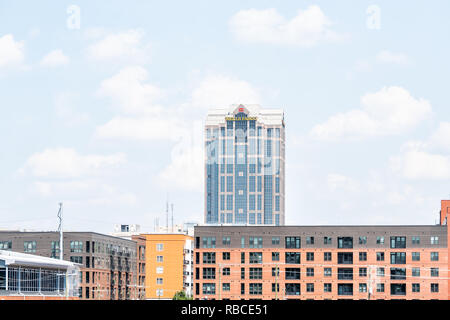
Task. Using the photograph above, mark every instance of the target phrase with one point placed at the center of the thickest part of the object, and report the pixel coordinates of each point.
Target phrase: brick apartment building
(108, 266)
(323, 262)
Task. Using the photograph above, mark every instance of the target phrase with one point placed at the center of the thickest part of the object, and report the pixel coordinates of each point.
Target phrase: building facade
(245, 165)
(322, 262)
(169, 265)
(31, 277)
(108, 264)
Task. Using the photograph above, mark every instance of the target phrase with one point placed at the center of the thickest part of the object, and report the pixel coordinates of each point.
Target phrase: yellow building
(169, 264)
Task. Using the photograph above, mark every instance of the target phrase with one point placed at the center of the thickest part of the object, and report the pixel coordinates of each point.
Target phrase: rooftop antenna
(172, 216)
(167, 216)
(60, 230)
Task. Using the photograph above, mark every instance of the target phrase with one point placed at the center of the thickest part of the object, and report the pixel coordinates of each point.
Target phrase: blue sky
(103, 110)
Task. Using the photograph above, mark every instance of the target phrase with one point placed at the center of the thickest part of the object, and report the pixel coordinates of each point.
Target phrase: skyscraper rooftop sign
(240, 118)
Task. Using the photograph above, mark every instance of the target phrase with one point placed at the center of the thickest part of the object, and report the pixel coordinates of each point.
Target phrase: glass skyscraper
(244, 166)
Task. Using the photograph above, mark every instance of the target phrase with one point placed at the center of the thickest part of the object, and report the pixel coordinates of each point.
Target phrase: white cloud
(392, 110)
(338, 182)
(417, 164)
(308, 28)
(124, 46)
(142, 128)
(66, 109)
(11, 51)
(55, 58)
(67, 163)
(441, 137)
(186, 168)
(217, 91)
(84, 192)
(131, 91)
(386, 56)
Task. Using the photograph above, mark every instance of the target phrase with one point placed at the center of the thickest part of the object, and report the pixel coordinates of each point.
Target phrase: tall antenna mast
(172, 216)
(60, 230)
(167, 216)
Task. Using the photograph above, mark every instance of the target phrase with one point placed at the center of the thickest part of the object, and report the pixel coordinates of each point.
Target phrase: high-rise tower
(244, 166)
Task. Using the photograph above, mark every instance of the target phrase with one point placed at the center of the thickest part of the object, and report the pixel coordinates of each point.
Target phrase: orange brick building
(323, 262)
(168, 264)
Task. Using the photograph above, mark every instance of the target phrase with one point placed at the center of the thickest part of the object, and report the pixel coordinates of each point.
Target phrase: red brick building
(323, 262)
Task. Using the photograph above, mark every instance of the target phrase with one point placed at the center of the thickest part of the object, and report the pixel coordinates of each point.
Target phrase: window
(309, 240)
(208, 242)
(29, 246)
(242, 273)
(380, 272)
(242, 288)
(380, 240)
(345, 289)
(434, 256)
(275, 256)
(242, 257)
(398, 274)
(415, 240)
(292, 273)
(434, 240)
(76, 246)
(415, 256)
(159, 247)
(76, 259)
(363, 272)
(255, 288)
(310, 256)
(209, 273)
(363, 287)
(415, 272)
(226, 241)
(398, 242)
(310, 287)
(159, 259)
(225, 286)
(159, 270)
(398, 258)
(434, 272)
(209, 288)
(416, 287)
(6, 245)
(398, 289)
(434, 287)
(380, 287)
(327, 240)
(380, 256)
(327, 272)
(327, 287)
(327, 256)
(159, 292)
(362, 240)
(54, 249)
(275, 272)
(345, 273)
(209, 257)
(255, 273)
(255, 242)
(363, 256)
(159, 280)
(292, 242)
(310, 272)
(226, 271)
(292, 289)
(255, 257)
(345, 258)
(292, 257)
(275, 287)
(225, 256)
(275, 241)
(345, 242)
